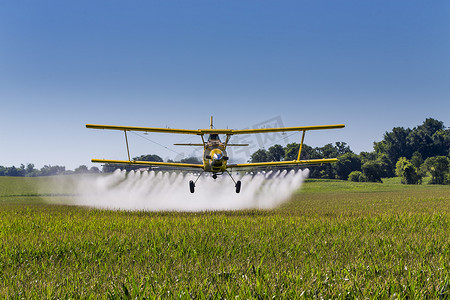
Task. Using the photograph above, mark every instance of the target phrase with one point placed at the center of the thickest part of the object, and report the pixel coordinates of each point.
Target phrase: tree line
(408, 153)
(30, 171)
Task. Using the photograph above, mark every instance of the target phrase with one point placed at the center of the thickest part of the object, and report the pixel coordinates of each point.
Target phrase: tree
(94, 170)
(407, 172)
(327, 151)
(291, 151)
(16, 172)
(52, 170)
(387, 166)
(428, 138)
(109, 168)
(327, 171)
(368, 156)
(260, 155)
(441, 142)
(308, 152)
(356, 176)
(395, 144)
(372, 171)
(342, 148)
(275, 153)
(191, 160)
(417, 159)
(346, 164)
(446, 137)
(30, 168)
(82, 170)
(148, 157)
(438, 167)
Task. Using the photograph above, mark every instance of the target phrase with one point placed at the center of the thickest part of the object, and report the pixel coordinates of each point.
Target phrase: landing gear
(238, 186)
(192, 183)
(192, 186)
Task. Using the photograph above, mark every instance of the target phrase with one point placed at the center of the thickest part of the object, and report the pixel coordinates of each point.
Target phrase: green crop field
(332, 239)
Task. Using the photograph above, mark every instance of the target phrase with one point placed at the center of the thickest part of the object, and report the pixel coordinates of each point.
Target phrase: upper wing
(218, 131)
(146, 129)
(191, 144)
(283, 129)
(148, 163)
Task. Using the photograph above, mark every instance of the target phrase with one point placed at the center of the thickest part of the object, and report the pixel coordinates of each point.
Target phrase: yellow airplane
(214, 150)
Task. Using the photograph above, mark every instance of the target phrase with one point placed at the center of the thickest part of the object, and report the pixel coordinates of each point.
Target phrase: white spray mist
(170, 191)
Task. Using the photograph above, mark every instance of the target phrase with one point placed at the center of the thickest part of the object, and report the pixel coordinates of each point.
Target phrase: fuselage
(215, 155)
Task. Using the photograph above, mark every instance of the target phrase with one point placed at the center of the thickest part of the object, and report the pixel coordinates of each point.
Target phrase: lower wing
(284, 163)
(148, 163)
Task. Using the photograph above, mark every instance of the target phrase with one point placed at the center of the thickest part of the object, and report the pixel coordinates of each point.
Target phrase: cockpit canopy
(214, 137)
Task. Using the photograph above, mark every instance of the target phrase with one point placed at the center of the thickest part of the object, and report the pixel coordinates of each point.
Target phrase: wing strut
(128, 148)
(301, 145)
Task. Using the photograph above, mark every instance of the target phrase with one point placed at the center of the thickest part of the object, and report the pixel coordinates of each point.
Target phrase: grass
(333, 239)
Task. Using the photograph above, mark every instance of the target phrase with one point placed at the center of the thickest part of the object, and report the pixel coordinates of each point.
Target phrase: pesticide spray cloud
(158, 191)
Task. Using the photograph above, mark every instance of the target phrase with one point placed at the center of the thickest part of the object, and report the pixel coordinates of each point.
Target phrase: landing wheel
(238, 186)
(192, 186)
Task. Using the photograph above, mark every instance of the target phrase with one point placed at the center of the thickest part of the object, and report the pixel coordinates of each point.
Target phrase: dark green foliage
(275, 153)
(260, 155)
(438, 167)
(356, 176)
(149, 157)
(308, 152)
(429, 139)
(94, 170)
(48, 170)
(372, 171)
(395, 144)
(191, 160)
(342, 148)
(417, 159)
(387, 167)
(327, 151)
(82, 170)
(347, 163)
(408, 173)
(291, 151)
(11, 171)
(368, 156)
(108, 168)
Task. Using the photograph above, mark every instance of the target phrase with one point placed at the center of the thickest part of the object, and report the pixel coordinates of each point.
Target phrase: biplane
(215, 159)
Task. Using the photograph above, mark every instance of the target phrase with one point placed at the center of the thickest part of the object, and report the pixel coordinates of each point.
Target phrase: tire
(238, 186)
(192, 186)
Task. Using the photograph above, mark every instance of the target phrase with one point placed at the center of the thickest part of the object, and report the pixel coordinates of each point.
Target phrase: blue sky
(372, 65)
